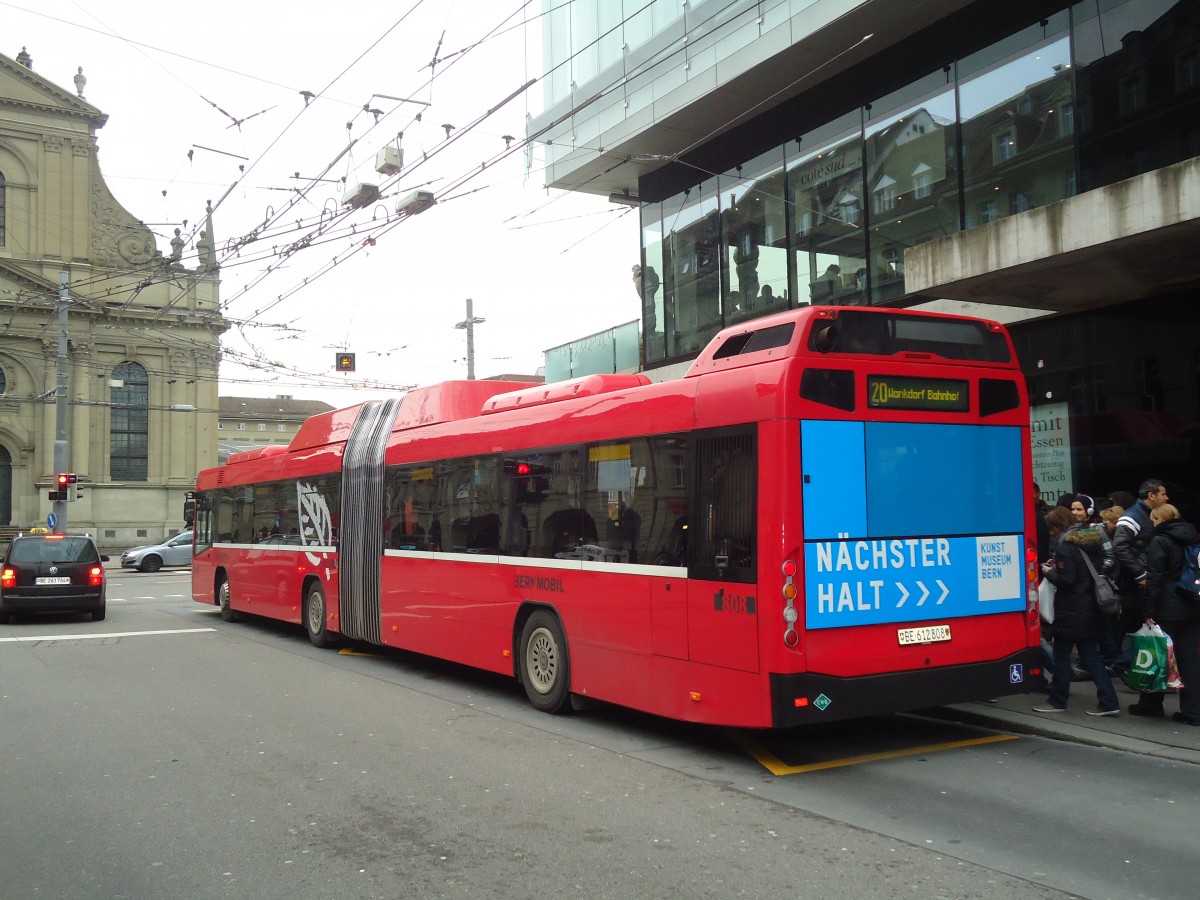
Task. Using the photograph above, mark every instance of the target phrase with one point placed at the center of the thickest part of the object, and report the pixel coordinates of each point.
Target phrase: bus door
(722, 550)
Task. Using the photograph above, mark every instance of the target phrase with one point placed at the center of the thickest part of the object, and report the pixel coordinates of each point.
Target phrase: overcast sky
(542, 267)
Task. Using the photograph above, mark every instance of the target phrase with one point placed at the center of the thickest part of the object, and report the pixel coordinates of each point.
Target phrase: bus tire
(228, 613)
(545, 663)
(314, 617)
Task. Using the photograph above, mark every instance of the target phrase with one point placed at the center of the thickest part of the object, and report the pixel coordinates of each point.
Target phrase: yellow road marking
(776, 766)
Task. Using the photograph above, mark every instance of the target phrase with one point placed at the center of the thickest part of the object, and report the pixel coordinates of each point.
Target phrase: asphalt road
(164, 753)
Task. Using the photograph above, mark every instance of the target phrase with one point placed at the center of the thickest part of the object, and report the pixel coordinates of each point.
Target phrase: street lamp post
(469, 324)
(62, 456)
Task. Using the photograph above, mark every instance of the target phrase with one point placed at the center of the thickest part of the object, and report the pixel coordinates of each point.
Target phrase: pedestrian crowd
(1138, 543)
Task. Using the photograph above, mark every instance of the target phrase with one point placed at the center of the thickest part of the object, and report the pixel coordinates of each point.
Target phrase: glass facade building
(782, 159)
(826, 216)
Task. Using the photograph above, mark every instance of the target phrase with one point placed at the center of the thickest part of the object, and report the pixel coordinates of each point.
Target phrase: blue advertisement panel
(834, 469)
(868, 582)
(882, 479)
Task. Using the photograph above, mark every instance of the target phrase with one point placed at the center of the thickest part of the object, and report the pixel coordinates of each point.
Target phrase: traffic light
(345, 362)
(68, 486)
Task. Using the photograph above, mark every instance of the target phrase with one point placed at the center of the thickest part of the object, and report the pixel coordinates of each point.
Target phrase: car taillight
(96, 576)
(9, 577)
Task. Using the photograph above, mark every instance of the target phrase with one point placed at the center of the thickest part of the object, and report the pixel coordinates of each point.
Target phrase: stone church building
(143, 329)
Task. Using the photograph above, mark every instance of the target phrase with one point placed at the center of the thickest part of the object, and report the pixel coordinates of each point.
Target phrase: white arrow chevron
(945, 592)
(924, 594)
(903, 594)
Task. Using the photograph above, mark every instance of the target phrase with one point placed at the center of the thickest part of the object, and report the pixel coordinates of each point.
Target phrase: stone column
(55, 202)
(80, 194)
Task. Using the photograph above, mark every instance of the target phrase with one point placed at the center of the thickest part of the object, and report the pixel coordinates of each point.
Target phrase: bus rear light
(790, 592)
(801, 702)
(96, 576)
(695, 696)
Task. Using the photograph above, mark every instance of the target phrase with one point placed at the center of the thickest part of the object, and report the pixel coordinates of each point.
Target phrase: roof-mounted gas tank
(587, 386)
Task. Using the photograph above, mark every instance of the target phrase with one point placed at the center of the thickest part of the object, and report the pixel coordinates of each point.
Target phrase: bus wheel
(314, 617)
(227, 612)
(545, 664)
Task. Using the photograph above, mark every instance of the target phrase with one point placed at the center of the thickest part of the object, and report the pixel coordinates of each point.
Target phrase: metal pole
(470, 341)
(61, 454)
(469, 324)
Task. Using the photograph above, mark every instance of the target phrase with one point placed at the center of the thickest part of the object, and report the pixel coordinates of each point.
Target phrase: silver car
(176, 551)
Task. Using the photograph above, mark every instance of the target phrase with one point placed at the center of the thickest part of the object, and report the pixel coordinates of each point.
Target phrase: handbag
(1174, 682)
(1108, 598)
(1045, 591)
(1148, 668)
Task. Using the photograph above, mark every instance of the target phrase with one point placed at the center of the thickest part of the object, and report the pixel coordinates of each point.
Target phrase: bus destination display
(900, 392)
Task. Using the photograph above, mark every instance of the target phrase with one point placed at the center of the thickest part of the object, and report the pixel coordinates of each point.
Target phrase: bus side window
(483, 532)
(674, 551)
(566, 530)
(724, 542)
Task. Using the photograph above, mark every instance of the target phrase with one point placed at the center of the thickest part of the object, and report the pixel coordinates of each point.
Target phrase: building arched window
(129, 432)
(3, 382)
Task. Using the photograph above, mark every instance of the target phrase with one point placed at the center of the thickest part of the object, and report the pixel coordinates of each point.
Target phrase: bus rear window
(751, 341)
(881, 334)
(829, 387)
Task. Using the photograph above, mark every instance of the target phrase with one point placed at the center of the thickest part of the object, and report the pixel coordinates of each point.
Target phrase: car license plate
(929, 634)
(56, 579)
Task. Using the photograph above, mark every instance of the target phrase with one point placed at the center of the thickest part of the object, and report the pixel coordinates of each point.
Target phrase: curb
(1039, 726)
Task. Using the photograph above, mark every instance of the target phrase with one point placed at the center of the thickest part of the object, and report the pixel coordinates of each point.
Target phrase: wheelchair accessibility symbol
(1016, 673)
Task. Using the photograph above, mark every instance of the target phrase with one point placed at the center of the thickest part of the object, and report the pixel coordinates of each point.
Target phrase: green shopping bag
(1147, 670)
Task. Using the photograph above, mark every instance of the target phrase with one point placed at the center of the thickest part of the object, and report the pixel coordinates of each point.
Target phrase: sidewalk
(1153, 737)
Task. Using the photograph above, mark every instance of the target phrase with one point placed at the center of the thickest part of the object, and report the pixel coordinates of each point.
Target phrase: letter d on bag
(1144, 661)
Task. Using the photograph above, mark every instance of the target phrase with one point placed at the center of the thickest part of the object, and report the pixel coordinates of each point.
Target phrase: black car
(52, 573)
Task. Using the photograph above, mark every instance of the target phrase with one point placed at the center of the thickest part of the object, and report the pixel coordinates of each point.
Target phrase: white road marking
(164, 597)
(92, 637)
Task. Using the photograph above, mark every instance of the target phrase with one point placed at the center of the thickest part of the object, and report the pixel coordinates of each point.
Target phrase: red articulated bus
(827, 517)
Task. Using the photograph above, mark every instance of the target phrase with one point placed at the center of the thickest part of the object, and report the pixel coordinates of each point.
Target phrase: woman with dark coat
(1176, 614)
(1078, 621)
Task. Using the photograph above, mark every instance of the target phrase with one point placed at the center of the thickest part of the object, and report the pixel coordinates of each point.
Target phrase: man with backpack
(1130, 539)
